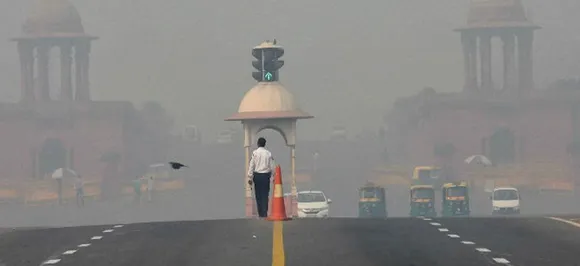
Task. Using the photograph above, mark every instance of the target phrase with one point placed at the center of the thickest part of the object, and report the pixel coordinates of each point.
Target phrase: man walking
(79, 189)
(150, 188)
(261, 167)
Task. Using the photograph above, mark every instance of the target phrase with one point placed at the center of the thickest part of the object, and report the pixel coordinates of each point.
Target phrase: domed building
(506, 119)
(43, 132)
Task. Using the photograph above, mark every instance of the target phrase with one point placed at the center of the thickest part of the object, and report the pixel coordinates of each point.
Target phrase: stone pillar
(26, 52)
(294, 190)
(525, 64)
(82, 50)
(464, 44)
(251, 210)
(86, 79)
(485, 55)
(469, 43)
(66, 93)
(509, 64)
(42, 53)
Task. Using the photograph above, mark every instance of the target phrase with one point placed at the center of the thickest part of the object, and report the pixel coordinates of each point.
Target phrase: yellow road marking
(278, 257)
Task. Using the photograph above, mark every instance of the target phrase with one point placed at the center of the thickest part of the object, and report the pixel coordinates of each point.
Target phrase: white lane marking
(69, 252)
(108, 231)
(453, 236)
(96, 237)
(468, 242)
(483, 250)
(426, 219)
(443, 230)
(564, 221)
(54, 261)
(436, 224)
(84, 245)
(118, 226)
(501, 260)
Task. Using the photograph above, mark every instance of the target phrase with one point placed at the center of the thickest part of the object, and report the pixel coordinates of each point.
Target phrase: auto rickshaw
(422, 201)
(372, 201)
(455, 199)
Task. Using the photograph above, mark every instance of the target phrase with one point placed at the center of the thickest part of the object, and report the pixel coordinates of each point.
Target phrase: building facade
(511, 124)
(44, 132)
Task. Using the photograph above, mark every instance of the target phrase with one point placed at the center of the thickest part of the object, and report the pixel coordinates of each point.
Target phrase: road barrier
(278, 212)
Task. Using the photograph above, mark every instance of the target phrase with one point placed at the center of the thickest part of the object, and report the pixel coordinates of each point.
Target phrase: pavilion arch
(274, 128)
(286, 128)
(268, 105)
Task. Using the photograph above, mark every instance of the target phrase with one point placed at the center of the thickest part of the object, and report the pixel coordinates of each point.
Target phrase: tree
(111, 157)
(156, 117)
(569, 84)
(573, 149)
(444, 150)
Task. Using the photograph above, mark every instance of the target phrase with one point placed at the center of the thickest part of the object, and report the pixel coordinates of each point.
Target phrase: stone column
(485, 54)
(82, 50)
(250, 207)
(66, 93)
(294, 190)
(26, 52)
(469, 43)
(525, 64)
(86, 79)
(509, 64)
(42, 53)
(464, 44)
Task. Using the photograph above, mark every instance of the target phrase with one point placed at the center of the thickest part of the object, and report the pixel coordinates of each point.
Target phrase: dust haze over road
(169, 51)
(346, 63)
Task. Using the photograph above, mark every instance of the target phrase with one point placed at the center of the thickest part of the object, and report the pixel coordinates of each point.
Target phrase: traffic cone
(278, 212)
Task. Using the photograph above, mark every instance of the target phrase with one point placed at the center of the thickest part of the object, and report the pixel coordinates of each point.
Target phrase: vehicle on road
(427, 175)
(422, 201)
(313, 204)
(372, 202)
(505, 200)
(455, 199)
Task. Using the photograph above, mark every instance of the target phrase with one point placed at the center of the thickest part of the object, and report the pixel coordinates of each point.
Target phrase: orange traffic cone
(278, 212)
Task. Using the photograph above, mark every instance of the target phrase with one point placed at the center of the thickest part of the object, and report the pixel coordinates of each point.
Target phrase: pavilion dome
(497, 14)
(53, 18)
(268, 100)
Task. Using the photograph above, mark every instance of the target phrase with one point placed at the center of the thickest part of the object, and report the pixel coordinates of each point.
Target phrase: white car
(505, 200)
(313, 204)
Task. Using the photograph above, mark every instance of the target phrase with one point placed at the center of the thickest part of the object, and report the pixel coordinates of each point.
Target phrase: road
(335, 241)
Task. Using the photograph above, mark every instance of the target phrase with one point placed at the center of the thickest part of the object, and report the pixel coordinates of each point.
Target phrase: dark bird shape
(177, 166)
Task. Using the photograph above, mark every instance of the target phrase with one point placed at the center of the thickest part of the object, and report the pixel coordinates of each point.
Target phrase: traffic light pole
(262, 63)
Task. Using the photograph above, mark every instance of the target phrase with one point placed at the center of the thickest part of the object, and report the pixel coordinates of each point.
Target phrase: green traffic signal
(268, 76)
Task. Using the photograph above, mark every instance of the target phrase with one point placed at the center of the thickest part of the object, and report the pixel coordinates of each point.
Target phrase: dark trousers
(262, 191)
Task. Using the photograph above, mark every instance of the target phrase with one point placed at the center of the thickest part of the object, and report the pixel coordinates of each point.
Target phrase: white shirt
(150, 183)
(261, 161)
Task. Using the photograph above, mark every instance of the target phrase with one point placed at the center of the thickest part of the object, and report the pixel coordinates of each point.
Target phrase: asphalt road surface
(360, 242)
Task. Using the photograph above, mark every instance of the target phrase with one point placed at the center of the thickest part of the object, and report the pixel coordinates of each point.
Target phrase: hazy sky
(346, 61)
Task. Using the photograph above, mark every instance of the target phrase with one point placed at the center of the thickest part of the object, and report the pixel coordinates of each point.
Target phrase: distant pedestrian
(260, 172)
(150, 188)
(79, 189)
(137, 183)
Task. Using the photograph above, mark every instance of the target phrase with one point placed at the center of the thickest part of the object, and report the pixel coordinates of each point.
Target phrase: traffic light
(267, 63)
